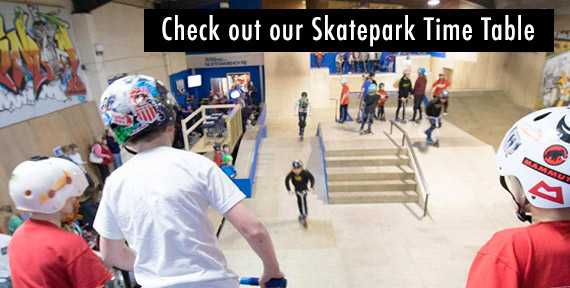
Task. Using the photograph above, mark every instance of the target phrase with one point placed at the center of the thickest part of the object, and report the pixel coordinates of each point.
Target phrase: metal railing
(406, 139)
(202, 112)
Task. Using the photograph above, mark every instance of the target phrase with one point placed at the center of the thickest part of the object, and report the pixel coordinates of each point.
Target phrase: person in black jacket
(404, 90)
(370, 103)
(300, 179)
(433, 112)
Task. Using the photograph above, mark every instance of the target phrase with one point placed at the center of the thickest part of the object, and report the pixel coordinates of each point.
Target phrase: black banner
(402, 30)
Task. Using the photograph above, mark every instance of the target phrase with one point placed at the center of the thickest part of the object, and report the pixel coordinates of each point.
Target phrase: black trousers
(302, 202)
(401, 105)
(302, 122)
(418, 105)
(104, 171)
(380, 111)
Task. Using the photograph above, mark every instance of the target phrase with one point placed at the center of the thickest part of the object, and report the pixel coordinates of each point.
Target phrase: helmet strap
(521, 213)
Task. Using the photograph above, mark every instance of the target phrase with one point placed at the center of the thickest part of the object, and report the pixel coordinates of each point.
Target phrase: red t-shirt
(439, 85)
(382, 98)
(43, 255)
(218, 159)
(533, 256)
(345, 90)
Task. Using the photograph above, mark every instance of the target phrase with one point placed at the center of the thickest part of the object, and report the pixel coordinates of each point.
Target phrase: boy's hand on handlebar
(268, 276)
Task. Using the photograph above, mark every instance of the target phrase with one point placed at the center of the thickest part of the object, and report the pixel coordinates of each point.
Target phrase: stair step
(373, 197)
(353, 161)
(370, 173)
(363, 186)
(365, 152)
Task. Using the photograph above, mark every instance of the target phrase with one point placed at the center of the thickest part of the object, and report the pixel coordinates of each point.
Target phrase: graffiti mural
(39, 65)
(555, 89)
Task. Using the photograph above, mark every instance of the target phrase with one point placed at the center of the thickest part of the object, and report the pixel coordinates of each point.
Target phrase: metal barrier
(406, 139)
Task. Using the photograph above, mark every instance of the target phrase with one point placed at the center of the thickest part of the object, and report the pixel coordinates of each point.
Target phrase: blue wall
(208, 73)
(245, 185)
(176, 76)
(234, 4)
(329, 60)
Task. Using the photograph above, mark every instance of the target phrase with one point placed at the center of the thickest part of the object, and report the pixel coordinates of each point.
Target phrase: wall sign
(215, 60)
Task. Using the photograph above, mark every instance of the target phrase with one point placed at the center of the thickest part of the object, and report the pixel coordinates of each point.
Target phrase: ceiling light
(433, 2)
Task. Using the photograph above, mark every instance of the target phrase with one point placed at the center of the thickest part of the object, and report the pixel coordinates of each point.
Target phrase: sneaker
(418, 121)
(430, 141)
(397, 119)
(444, 113)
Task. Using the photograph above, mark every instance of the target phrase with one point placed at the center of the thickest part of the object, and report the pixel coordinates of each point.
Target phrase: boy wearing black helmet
(303, 107)
(300, 179)
(433, 113)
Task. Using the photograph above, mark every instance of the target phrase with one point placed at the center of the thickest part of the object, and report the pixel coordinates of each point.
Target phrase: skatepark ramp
(373, 170)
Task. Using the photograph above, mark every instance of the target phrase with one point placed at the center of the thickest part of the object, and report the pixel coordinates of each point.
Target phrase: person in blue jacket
(228, 166)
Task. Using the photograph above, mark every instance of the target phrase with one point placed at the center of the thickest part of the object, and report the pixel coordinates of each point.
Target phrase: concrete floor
(370, 245)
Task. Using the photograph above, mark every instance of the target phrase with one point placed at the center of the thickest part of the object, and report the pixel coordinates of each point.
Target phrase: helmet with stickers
(135, 105)
(532, 160)
(43, 185)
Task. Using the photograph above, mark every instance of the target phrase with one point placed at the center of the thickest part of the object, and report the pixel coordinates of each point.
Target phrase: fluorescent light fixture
(433, 2)
(194, 81)
(224, 5)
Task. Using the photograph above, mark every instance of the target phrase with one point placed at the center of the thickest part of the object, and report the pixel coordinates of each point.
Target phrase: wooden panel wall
(38, 136)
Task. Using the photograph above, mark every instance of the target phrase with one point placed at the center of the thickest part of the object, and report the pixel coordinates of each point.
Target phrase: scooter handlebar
(277, 283)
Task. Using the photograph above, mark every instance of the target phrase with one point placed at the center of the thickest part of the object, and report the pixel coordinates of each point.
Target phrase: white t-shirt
(4, 264)
(77, 159)
(158, 202)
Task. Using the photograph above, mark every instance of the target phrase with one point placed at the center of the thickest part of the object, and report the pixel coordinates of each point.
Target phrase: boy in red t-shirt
(41, 254)
(533, 169)
(344, 101)
(439, 85)
(380, 105)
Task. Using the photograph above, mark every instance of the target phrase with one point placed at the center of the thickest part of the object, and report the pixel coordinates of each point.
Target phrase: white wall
(120, 30)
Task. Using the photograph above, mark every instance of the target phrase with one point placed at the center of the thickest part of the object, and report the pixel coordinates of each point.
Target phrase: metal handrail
(202, 110)
(406, 139)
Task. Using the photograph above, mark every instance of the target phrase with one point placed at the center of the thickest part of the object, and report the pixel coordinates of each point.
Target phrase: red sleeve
(86, 270)
(446, 84)
(490, 272)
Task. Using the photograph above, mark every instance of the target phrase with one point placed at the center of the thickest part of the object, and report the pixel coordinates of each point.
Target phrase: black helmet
(304, 94)
(297, 164)
(217, 146)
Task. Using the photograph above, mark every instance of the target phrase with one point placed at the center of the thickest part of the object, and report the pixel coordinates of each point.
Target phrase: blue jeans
(343, 113)
(117, 161)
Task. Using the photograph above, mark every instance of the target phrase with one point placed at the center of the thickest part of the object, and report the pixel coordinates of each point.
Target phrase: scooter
(277, 283)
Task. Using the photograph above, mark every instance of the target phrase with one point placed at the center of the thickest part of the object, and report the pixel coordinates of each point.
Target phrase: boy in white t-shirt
(158, 200)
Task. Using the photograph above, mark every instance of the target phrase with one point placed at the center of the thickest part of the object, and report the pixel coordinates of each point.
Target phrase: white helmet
(43, 185)
(534, 152)
(343, 81)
